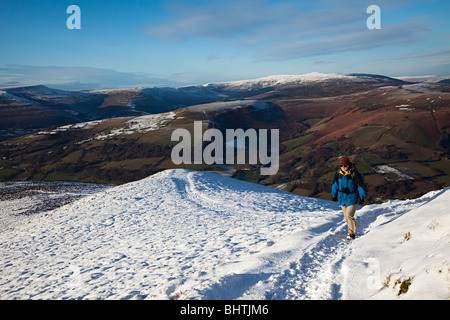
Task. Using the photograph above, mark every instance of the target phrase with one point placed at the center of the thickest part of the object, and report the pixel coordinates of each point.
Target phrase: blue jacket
(348, 187)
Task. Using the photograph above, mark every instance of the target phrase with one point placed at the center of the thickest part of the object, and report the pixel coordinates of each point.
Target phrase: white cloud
(274, 30)
(218, 20)
(362, 39)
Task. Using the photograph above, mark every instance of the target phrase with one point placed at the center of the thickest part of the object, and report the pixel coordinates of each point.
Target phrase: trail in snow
(316, 274)
(319, 273)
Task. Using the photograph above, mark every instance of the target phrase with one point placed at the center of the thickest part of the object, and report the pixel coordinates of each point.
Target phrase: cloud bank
(76, 78)
(273, 30)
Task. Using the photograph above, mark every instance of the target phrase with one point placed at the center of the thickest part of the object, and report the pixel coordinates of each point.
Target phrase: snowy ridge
(21, 200)
(183, 234)
(427, 79)
(13, 97)
(282, 80)
(115, 91)
(44, 93)
(141, 124)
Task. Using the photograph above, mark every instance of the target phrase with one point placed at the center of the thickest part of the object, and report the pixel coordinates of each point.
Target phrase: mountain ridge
(287, 80)
(390, 129)
(36, 107)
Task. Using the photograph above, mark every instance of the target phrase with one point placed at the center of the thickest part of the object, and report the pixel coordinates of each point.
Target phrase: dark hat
(345, 162)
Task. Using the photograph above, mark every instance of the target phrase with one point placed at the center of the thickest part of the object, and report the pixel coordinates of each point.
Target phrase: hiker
(349, 190)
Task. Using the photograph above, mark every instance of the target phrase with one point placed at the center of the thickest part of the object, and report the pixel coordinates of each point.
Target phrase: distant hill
(38, 107)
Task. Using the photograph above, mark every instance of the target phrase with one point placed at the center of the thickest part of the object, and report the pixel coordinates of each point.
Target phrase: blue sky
(162, 42)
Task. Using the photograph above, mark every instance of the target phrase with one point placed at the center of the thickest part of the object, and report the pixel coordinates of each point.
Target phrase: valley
(397, 132)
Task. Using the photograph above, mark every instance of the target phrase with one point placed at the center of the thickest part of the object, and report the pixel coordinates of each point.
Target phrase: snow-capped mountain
(183, 234)
(37, 107)
(277, 81)
(426, 79)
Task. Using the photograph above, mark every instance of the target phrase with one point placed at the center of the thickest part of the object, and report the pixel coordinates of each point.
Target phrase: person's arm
(361, 185)
(335, 187)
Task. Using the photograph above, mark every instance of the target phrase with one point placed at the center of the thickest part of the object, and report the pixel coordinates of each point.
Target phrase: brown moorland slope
(397, 133)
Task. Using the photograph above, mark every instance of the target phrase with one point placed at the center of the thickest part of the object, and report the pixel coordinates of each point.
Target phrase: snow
(41, 92)
(141, 124)
(415, 246)
(387, 169)
(183, 234)
(13, 97)
(117, 91)
(422, 87)
(20, 200)
(404, 107)
(75, 126)
(427, 79)
(281, 80)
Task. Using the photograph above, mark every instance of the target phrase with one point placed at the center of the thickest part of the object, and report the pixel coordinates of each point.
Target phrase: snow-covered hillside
(193, 235)
(288, 80)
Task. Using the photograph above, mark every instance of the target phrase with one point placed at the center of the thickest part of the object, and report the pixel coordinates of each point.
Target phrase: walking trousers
(349, 214)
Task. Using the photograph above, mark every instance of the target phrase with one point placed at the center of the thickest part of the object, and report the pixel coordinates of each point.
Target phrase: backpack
(355, 176)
